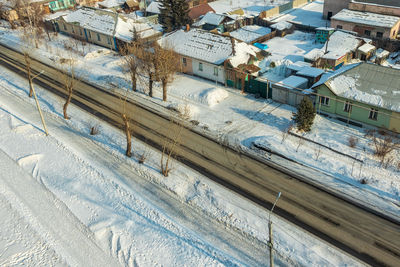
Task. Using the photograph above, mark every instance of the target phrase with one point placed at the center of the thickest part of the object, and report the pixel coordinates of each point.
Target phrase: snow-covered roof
(391, 3)
(281, 25)
(109, 23)
(381, 53)
(293, 81)
(211, 18)
(243, 52)
(154, 7)
(98, 20)
(325, 29)
(206, 46)
(366, 83)
(310, 72)
(111, 3)
(298, 65)
(250, 33)
(340, 43)
(249, 7)
(314, 54)
(366, 18)
(366, 48)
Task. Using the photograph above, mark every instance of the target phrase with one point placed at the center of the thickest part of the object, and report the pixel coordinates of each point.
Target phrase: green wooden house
(361, 93)
(58, 5)
(322, 34)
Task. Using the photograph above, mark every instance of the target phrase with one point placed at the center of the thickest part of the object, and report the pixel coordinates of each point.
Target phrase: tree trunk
(151, 84)
(30, 85)
(128, 136)
(242, 83)
(133, 78)
(164, 89)
(67, 103)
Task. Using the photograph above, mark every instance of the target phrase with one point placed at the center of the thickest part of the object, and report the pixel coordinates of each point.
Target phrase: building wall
(360, 29)
(208, 71)
(188, 67)
(90, 36)
(384, 10)
(360, 114)
(334, 6)
(395, 122)
(297, 3)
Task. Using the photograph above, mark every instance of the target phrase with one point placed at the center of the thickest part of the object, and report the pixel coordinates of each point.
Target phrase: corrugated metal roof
(395, 3)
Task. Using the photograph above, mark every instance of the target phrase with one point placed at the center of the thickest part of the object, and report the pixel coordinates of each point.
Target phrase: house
(367, 24)
(313, 55)
(338, 50)
(288, 91)
(103, 27)
(384, 7)
(322, 34)
(381, 55)
(205, 54)
(282, 28)
(312, 74)
(211, 21)
(332, 7)
(57, 5)
(198, 11)
(365, 52)
(362, 93)
(252, 33)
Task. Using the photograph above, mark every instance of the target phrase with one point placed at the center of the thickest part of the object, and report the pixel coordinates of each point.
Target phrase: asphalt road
(369, 236)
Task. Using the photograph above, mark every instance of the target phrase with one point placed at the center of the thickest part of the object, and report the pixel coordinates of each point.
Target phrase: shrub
(353, 141)
(94, 130)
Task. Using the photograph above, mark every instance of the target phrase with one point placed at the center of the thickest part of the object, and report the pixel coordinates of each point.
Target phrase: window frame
(184, 61)
(367, 32)
(381, 35)
(216, 71)
(98, 37)
(201, 66)
(324, 100)
(340, 27)
(348, 107)
(373, 114)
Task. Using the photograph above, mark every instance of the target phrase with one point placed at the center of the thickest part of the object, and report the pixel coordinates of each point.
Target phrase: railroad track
(361, 232)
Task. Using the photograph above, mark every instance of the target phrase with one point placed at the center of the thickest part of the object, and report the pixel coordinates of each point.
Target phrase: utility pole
(38, 106)
(271, 246)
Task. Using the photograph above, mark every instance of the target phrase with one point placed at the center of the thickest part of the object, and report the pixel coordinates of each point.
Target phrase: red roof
(197, 11)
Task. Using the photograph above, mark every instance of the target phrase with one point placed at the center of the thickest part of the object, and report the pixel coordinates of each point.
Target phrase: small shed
(381, 55)
(365, 52)
(298, 65)
(312, 74)
(323, 33)
(313, 55)
(289, 90)
(252, 33)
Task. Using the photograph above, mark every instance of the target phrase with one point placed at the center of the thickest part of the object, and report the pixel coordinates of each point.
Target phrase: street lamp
(271, 256)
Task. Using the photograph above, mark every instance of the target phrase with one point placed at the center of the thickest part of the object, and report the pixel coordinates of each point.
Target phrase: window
(65, 27)
(347, 107)
(98, 37)
(72, 29)
(108, 40)
(215, 71)
(379, 34)
(80, 31)
(367, 32)
(324, 100)
(90, 35)
(373, 114)
(184, 61)
(200, 66)
(339, 27)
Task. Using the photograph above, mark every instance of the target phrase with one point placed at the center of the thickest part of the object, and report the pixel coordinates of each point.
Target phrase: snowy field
(129, 210)
(308, 15)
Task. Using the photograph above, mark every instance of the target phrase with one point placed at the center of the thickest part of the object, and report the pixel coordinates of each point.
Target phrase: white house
(203, 53)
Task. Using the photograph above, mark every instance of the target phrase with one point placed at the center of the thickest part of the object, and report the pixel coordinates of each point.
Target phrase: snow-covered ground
(130, 210)
(239, 120)
(307, 15)
(103, 199)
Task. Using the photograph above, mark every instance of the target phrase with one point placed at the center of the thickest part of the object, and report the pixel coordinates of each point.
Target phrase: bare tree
(33, 13)
(167, 65)
(300, 143)
(28, 68)
(127, 128)
(69, 80)
(286, 132)
(171, 143)
(384, 146)
(132, 55)
(149, 66)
